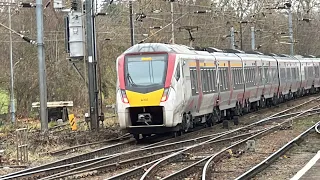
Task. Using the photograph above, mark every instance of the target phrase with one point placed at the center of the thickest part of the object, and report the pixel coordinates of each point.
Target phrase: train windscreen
(145, 70)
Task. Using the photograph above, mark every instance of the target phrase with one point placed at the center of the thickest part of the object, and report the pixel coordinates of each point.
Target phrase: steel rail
(270, 159)
(109, 167)
(73, 148)
(176, 155)
(135, 161)
(50, 168)
(193, 168)
(133, 172)
(270, 118)
(85, 156)
(179, 154)
(68, 160)
(210, 161)
(50, 171)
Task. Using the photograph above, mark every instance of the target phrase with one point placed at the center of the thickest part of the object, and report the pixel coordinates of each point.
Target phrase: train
(173, 88)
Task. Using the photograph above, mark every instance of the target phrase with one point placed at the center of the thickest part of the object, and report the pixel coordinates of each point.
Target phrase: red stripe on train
(171, 62)
(230, 82)
(199, 85)
(121, 72)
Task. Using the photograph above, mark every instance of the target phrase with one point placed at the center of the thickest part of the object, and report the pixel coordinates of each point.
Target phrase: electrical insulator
(58, 4)
(27, 5)
(75, 39)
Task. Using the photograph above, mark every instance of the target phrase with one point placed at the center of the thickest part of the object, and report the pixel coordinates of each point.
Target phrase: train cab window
(177, 75)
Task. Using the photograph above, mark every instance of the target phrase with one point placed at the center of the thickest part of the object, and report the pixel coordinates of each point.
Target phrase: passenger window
(214, 79)
(209, 80)
(177, 75)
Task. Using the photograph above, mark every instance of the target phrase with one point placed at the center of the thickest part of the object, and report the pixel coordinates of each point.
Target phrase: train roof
(183, 49)
(160, 47)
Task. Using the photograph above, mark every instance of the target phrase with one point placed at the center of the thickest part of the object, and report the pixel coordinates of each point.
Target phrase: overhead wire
(19, 34)
(162, 28)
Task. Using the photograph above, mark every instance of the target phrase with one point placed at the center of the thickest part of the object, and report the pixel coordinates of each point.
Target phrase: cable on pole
(142, 41)
(21, 35)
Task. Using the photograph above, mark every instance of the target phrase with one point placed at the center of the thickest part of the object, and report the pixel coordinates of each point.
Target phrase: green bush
(4, 102)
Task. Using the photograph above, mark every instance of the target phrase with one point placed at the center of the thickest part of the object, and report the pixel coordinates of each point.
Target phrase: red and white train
(170, 88)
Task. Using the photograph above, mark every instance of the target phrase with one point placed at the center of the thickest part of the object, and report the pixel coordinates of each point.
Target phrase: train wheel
(216, 115)
(236, 120)
(177, 133)
(237, 110)
(262, 102)
(209, 120)
(186, 122)
(137, 137)
(225, 124)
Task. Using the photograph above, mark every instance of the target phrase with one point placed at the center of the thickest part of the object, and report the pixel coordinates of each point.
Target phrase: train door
(180, 87)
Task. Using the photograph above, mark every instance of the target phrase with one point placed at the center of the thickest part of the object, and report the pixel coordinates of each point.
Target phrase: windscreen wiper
(130, 80)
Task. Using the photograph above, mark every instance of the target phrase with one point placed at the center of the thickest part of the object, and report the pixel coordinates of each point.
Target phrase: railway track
(145, 155)
(208, 158)
(140, 158)
(37, 171)
(152, 167)
(273, 157)
(78, 147)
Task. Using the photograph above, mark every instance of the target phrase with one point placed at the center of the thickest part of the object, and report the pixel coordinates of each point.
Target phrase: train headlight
(165, 95)
(124, 97)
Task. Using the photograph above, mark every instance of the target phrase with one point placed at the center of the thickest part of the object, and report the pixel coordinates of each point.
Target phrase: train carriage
(307, 74)
(171, 88)
(269, 78)
(230, 80)
(252, 78)
(316, 65)
(288, 76)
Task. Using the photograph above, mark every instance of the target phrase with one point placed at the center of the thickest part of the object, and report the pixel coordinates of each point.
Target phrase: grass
(4, 101)
(306, 122)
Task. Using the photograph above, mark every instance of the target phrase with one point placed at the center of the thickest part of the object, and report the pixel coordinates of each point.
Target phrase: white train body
(162, 87)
